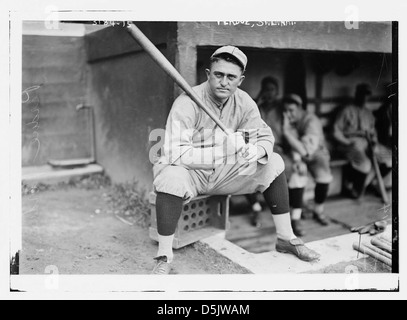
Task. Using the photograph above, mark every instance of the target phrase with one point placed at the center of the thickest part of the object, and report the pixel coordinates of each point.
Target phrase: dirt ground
(75, 230)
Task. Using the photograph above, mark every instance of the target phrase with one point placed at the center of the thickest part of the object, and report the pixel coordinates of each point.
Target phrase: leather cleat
(162, 267)
(297, 247)
(297, 228)
(321, 219)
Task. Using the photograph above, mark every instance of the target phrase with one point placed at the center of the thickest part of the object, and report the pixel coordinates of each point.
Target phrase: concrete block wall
(131, 97)
(54, 67)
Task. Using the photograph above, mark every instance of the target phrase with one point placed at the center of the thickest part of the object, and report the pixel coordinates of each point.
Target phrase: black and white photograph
(186, 157)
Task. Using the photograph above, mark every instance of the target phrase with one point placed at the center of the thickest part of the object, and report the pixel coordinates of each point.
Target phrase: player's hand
(233, 143)
(300, 168)
(286, 122)
(249, 152)
(296, 156)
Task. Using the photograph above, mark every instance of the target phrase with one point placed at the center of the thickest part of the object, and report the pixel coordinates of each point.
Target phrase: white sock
(283, 226)
(256, 207)
(296, 214)
(165, 247)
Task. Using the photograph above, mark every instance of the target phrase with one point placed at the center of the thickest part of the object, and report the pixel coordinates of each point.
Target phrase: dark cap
(363, 88)
(234, 51)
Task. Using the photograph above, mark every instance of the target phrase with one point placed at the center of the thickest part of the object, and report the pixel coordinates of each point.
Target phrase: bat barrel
(162, 61)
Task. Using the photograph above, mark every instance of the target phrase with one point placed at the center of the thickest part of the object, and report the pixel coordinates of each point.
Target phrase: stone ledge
(333, 250)
(48, 174)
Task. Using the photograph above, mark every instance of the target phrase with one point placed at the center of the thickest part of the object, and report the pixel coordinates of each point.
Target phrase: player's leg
(296, 196)
(297, 181)
(319, 168)
(277, 198)
(268, 178)
(359, 168)
(255, 209)
(173, 185)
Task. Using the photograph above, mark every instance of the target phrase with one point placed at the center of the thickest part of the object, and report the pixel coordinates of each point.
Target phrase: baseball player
(351, 126)
(199, 158)
(307, 151)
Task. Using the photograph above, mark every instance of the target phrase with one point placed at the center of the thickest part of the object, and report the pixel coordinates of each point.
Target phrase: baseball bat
(377, 171)
(385, 240)
(363, 249)
(376, 242)
(378, 250)
(162, 61)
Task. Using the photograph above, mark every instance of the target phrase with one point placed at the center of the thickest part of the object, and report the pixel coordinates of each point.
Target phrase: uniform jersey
(310, 132)
(355, 120)
(189, 130)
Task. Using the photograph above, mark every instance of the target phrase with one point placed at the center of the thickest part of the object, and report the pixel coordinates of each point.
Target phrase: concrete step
(332, 250)
(49, 175)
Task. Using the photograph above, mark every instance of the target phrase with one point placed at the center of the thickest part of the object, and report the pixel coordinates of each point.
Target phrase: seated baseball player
(351, 128)
(305, 151)
(199, 158)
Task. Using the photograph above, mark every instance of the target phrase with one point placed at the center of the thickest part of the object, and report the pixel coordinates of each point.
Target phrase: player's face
(224, 78)
(292, 111)
(270, 93)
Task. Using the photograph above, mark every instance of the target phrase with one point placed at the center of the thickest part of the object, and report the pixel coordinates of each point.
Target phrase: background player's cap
(363, 88)
(234, 51)
(292, 97)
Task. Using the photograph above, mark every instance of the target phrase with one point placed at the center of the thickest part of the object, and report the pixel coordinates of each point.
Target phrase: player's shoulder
(245, 99)
(184, 98)
(311, 117)
(310, 120)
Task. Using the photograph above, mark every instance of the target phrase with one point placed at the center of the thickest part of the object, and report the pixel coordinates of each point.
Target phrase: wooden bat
(363, 249)
(162, 61)
(378, 250)
(380, 244)
(377, 170)
(384, 239)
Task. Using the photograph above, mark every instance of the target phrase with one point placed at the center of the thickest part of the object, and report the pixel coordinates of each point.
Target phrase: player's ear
(208, 72)
(241, 80)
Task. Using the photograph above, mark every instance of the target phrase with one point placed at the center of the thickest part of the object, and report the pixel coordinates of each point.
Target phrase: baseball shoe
(297, 248)
(162, 266)
(297, 228)
(321, 219)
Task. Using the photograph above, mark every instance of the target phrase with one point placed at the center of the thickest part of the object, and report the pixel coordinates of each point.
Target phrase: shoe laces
(162, 265)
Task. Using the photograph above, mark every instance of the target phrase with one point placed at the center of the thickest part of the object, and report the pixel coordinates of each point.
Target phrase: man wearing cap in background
(198, 158)
(351, 128)
(306, 151)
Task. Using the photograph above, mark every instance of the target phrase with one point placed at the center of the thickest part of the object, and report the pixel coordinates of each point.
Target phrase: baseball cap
(292, 97)
(234, 51)
(363, 88)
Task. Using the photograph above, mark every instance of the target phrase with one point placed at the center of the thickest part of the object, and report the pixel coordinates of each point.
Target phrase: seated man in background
(305, 150)
(353, 127)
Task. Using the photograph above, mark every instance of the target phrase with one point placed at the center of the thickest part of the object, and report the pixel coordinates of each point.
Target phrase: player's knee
(321, 171)
(277, 162)
(363, 166)
(323, 177)
(297, 180)
(172, 180)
